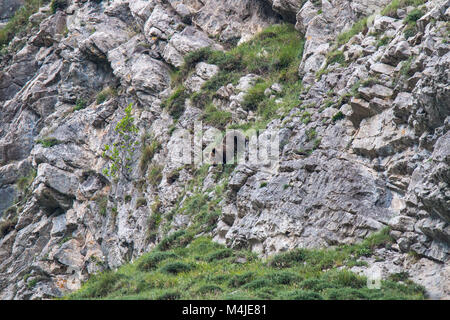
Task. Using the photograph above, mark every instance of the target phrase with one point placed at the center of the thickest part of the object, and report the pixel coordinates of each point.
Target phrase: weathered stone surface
(187, 41)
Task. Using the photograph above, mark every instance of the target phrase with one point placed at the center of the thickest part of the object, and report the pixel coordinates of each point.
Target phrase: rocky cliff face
(366, 146)
(7, 9)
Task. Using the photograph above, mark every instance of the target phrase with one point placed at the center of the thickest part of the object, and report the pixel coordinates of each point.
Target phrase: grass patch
(80, 104)
(48, 142)
(391, 9)
(202, 269)
(151, 260)
(58, 5)
(215, 117)
(105, 94)
(154, 175)
(175, 103)
(274, 54)
(148, 152)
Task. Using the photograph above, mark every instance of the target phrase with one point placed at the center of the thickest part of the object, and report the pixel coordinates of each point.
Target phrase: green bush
(151, 260)
(80, 104)
(410, 31)
(23, 183)
(338, 116)
(254, 96)
(176, 267)
(257, 284)
(335, 57)
(288, 259)
(315, 284)
(358, 27)
(105, 94)
(345, 278)
(414, 15)
(7, 226)
(154, 176)
(219, 255)
(48, 142)
(240, 279)
(400, 276)
(141, 202)
(148, 152)
(58, 5)
(391, 9)
(215, 117)
(175, 103)
(171, 240)
(283, 277)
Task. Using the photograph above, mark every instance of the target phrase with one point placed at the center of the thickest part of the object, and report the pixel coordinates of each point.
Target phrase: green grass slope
(202, 269)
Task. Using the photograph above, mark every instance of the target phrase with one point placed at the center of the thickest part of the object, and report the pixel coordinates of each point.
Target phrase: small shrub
(315, 284)
(80, 104)
(58, 5)
(171, 240)
(176, 267)
(263, 185)
(219, 255)
(102, 203)
(215, 117)
(48, 142)
(20, 21)
(7, 226)
(120, 153)
(400, 276)
(175, 103)
(383, 41)
(283, 277)
(288, 259)
(358, 27)
(23, 183)
(141, 202)
(414, 15)
(410, 31)
(257, 284)
(335, 57)
(254, 96)
(338, 116)
(155, 175)
(240, 279)
(148, 152)
(155, 218)
(150, 261)
(345, 278)
(105, 94)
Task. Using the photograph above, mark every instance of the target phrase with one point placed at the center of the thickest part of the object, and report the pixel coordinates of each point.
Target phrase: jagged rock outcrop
(7, 9)
(381, 112)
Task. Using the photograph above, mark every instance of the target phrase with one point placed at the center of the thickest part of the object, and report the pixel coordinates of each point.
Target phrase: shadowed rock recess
(359, 91)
